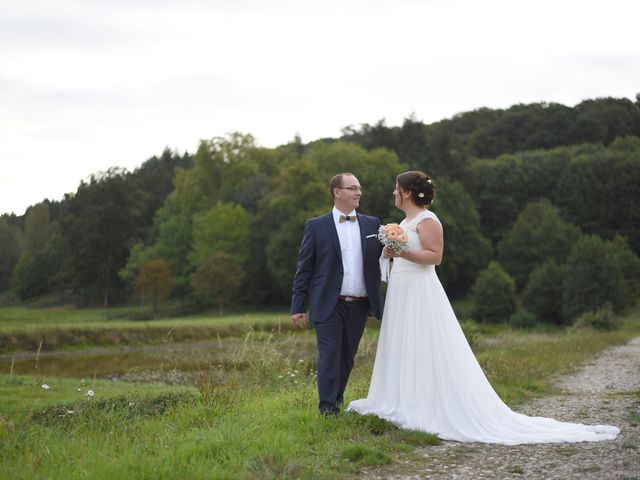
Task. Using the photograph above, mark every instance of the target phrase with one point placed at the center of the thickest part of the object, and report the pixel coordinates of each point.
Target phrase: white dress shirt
(351, 248)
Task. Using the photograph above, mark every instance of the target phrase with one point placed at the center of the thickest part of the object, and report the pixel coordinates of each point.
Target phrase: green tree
(629, 264)
(542, 295)
(216, 281)
(173, 243)
(101, 222)
(537, 235)
(598, 191)
(20, 278)
(38, 227)
(497, 188)
(138, 257)
(155, 281)
(223, 228)
(493, 295)
(57, 256)
(466, 251)
(298, 194)
(10, 251)
(42, 272)
(155, 178)
(603, 119)
(592, 278)
(223, 171)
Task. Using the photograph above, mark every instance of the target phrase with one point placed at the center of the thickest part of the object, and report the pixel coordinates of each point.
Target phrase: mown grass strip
(61, 335)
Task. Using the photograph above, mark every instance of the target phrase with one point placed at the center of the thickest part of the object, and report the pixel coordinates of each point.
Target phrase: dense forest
(540, 205)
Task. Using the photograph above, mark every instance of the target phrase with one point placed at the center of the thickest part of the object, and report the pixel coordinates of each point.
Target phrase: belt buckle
(349, 299)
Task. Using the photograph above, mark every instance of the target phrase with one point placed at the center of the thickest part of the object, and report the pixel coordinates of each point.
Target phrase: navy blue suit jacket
(319, 271)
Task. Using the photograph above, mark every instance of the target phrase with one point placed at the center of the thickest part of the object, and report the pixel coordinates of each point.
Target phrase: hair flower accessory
(421, 195)
(430, 182)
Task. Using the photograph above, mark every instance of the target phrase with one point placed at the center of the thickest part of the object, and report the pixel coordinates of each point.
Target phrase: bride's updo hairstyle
(421, 186)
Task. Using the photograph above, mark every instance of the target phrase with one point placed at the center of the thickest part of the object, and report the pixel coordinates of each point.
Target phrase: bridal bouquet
(392, 235)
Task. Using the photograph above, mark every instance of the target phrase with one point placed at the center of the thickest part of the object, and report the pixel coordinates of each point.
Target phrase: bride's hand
(389, 252)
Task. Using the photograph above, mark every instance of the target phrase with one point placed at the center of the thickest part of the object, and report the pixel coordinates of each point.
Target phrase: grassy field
(23, 318)
(258, 423)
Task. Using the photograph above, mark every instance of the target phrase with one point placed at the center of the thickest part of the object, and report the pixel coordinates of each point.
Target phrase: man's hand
(300, 319)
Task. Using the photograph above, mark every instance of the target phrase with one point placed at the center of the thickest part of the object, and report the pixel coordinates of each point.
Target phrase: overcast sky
(90, 84)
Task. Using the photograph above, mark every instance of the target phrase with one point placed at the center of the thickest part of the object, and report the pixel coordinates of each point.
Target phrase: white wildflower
(45, 386)
(89, 393)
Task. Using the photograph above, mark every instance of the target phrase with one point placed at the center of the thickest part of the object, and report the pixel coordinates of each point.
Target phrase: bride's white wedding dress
(427, 378)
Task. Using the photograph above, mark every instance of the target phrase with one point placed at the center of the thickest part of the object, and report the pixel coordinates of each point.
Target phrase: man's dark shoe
(330, 412)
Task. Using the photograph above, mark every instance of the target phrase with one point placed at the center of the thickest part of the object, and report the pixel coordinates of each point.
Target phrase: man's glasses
(354, 188)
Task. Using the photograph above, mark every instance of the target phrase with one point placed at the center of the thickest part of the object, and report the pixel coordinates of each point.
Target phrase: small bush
(543, 293)
(603, 319)
(493, 295)
(539, 233)
(523, 319)
(592, 278)
(629, 264)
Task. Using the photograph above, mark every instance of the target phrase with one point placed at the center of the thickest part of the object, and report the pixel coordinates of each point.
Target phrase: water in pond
(169, 362)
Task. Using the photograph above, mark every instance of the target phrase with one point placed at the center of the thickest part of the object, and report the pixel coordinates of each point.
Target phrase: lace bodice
(411, 227)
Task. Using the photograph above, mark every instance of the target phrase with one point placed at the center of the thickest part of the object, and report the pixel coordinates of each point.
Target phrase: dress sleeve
(427, 214)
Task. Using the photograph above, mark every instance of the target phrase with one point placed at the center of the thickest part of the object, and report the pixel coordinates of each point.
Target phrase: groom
(338, 276)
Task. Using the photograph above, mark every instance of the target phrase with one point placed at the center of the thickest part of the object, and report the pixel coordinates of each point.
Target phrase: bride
(425, 375)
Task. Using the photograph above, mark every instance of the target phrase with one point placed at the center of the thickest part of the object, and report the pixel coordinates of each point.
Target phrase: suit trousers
(338, 338)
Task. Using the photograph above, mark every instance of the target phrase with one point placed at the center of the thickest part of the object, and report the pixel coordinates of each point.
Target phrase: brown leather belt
(346, 298)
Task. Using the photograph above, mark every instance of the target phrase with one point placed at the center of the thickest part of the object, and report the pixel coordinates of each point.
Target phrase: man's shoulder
(318, 220)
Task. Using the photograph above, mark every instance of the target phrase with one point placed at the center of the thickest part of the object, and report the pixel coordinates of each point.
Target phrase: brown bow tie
(348, 218)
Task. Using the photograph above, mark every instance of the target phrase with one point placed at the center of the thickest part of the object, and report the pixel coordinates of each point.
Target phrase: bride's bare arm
(432, 242)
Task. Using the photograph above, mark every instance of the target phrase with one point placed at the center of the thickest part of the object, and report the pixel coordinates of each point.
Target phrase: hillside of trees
(536, 200)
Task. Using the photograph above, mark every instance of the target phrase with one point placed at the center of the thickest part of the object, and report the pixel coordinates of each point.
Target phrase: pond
(175, 363)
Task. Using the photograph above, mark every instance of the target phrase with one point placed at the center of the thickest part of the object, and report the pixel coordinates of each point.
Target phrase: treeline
(522, 188)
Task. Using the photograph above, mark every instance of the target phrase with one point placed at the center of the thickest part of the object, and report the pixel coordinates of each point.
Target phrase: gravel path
(606, 391)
